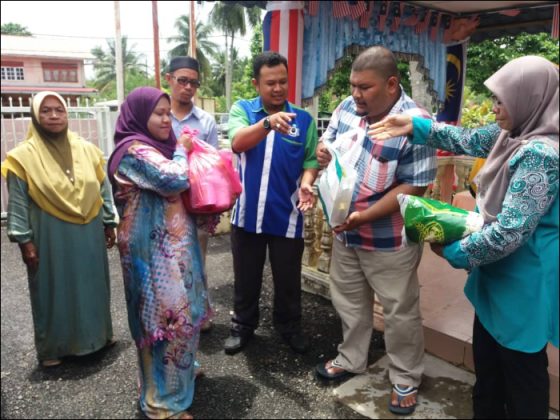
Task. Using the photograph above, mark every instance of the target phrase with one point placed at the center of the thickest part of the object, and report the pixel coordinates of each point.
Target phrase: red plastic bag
(215, 185)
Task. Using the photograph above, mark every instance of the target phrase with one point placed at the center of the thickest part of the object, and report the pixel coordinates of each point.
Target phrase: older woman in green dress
(60, 212)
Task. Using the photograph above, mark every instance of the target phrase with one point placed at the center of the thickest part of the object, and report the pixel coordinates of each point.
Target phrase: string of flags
(420, 18)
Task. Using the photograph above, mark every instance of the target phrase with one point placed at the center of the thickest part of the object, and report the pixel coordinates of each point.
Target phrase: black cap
(183, 62)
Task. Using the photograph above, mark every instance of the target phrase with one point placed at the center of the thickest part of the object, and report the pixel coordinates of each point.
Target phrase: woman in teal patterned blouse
(513, 261)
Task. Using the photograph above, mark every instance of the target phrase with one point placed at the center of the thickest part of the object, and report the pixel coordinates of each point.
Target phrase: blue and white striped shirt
(381, 167)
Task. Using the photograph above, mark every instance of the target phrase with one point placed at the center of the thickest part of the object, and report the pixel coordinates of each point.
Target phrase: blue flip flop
(323, 373)
(401, 394)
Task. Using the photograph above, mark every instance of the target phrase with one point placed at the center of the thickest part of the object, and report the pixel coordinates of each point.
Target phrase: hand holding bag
(214, 183)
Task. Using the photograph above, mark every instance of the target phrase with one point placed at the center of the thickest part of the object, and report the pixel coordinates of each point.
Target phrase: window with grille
(60, 72)
(12, 73)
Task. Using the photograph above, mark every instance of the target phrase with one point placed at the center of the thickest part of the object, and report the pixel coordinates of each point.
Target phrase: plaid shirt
(381, 167)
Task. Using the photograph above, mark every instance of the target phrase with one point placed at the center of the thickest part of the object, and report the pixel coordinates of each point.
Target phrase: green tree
(216, 85)
(15, 29)
(243, 88)
(486, 57)
(105, 66)
(477, 110)
(232, 19)
(205, 48)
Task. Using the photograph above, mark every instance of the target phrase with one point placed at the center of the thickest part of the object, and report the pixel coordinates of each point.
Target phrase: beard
(184, 102)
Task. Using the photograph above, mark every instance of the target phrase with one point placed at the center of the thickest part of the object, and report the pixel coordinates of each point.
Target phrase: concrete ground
(266, 380)
(445, 391)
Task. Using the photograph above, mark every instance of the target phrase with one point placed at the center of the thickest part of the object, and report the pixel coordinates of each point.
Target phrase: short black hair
(269, 59)
(378, 59)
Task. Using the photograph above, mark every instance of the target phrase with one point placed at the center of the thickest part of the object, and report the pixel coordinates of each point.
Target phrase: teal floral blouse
(512, 262)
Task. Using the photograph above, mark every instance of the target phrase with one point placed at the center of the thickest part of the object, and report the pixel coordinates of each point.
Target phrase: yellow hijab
(50, 188)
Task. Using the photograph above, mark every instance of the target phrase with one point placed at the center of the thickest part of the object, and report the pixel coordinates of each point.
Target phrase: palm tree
(105, 63)
(218, 80)
(231, 18)
(204, 47)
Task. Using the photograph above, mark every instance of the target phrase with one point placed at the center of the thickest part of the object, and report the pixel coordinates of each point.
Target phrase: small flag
(434, 24)
(340, 9)
(447, 28)
(423, 24)
(398, 9)
(357, 8)
(382, 16)
(364, 19)
(313, 7)
(412, 20)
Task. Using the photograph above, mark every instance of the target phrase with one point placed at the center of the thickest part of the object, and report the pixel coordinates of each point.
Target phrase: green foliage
(105, 69)
(15, 29)
(132, 81)
(486, 57)
(220, 104)
(477, 110)
(205, 48)
(231, 18)
(243, 88)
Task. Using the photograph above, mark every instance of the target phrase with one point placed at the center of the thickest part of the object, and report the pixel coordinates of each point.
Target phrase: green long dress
(70, 293)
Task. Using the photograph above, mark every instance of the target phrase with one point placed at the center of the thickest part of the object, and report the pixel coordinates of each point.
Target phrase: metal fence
(93, 123)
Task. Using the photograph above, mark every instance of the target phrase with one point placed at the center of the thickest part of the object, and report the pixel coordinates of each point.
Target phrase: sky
(94, 22)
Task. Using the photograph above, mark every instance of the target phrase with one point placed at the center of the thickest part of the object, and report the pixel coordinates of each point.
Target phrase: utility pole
(118, 55)
(193, 32)
(156, 43)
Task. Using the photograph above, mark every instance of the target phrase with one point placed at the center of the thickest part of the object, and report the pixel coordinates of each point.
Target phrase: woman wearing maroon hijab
(164, 281)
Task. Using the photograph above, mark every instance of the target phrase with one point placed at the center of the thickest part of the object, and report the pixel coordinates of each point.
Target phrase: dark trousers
(509, 383)
(249, 255)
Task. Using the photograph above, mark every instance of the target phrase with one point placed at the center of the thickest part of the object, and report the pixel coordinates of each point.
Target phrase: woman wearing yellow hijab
(60, 212)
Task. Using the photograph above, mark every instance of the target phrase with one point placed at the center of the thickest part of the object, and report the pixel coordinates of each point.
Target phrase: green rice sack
(427, 220)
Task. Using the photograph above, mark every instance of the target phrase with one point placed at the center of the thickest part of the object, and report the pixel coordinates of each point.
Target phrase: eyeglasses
(184, 81)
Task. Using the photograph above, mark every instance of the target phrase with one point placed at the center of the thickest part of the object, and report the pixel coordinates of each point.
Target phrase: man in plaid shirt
(368, 254)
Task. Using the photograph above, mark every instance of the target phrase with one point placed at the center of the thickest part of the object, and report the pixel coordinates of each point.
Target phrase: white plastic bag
(338, 180)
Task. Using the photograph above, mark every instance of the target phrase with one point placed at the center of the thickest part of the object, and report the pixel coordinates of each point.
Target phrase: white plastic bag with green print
(338, 180)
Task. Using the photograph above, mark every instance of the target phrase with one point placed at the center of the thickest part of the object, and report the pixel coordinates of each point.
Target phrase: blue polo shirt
(271, 171)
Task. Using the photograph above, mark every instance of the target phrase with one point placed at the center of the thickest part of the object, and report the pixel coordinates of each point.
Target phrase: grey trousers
(355, 276)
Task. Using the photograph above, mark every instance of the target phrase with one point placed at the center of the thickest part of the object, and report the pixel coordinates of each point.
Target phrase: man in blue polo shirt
(276, 142)
(184, 80)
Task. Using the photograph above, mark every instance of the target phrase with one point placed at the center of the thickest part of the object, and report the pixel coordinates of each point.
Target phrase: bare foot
(407, 401)
(332, 370)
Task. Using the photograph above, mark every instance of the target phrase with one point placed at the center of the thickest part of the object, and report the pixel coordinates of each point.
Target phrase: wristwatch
(266, 123)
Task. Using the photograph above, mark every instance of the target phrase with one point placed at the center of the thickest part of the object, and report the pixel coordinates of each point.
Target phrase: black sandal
(323, 371)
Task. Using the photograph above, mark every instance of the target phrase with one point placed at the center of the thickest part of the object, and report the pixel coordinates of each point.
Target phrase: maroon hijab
(132, 125)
